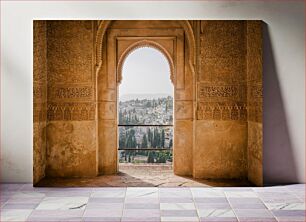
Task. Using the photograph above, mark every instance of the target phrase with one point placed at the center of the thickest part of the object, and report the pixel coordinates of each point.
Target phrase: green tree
(163, 139)
(144, 143)
(170, 143)
(151, 157)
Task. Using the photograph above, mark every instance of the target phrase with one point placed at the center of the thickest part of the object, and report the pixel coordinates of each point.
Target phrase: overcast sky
(146, 71)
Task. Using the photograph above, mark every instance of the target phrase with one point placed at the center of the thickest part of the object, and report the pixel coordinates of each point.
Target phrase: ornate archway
(115, 40)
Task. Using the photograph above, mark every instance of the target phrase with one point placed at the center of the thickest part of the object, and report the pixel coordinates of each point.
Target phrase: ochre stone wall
(71, 130)
(255, 96)
(221, 126)
(40, 99)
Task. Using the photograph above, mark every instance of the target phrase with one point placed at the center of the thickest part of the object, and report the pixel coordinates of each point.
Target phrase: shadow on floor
(140, 177)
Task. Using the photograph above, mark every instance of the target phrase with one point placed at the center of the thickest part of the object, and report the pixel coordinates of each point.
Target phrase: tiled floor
(22, 202)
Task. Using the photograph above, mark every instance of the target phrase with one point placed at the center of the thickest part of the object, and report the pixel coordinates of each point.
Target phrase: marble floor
(23, 202)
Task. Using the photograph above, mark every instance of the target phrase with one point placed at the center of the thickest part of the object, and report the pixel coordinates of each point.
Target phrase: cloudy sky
(145, 71)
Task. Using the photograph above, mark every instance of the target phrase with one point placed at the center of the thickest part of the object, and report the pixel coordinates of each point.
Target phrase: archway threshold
(141, 176)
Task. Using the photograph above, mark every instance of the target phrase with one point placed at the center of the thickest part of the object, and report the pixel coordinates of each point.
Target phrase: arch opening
(145, 108)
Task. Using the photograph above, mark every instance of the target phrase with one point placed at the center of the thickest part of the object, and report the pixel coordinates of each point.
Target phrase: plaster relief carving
(70, 47)
(222, 39)
(70, 93)
(71, 111)
(221, 111)
(221, 92)
(227, 70)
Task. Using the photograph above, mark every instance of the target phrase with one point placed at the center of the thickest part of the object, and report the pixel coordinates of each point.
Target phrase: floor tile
(103, 213)
(67, 193)
(216, 213)
(142, 213)
(14, 214)
(175, 200)
(57, 213)
(289, 213)
(141, 200)
(285, 206)
(105, 200)
(256, 219)
(175, 192)
(54, 219)
(253, 213)
(110, 206)
(218, 219)
(240, 194)
(62, 203)
(20, 206)
(210, 200)
(141, 206)
(178, 219)
(207, 192)
(150, 192)
(101, 219)
(109, 193)
(140, 219)
(224, 205)
(177, 206)
(249, 200)
(178, 213)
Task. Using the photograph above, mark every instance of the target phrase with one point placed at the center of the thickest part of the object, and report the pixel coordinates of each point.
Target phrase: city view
(145, 129)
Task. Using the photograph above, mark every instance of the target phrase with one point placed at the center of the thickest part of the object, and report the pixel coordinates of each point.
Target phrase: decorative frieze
(221, 93)
(79, 93)
(221, 111)
(71, 111)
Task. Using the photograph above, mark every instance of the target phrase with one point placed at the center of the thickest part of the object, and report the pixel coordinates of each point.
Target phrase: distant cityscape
(146, 110)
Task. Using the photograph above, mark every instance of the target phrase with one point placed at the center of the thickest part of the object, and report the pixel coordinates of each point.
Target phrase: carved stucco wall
(71, 130)
(40, 99)
(221, 126)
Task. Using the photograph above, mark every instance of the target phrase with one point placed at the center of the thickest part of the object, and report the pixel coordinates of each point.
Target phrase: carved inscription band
(71, 111)
(221, 111)
(218, 91)
(75, 93)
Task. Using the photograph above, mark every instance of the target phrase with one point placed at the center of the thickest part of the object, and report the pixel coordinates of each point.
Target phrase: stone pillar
(221, 125)
(39, 99)
(255, 99)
